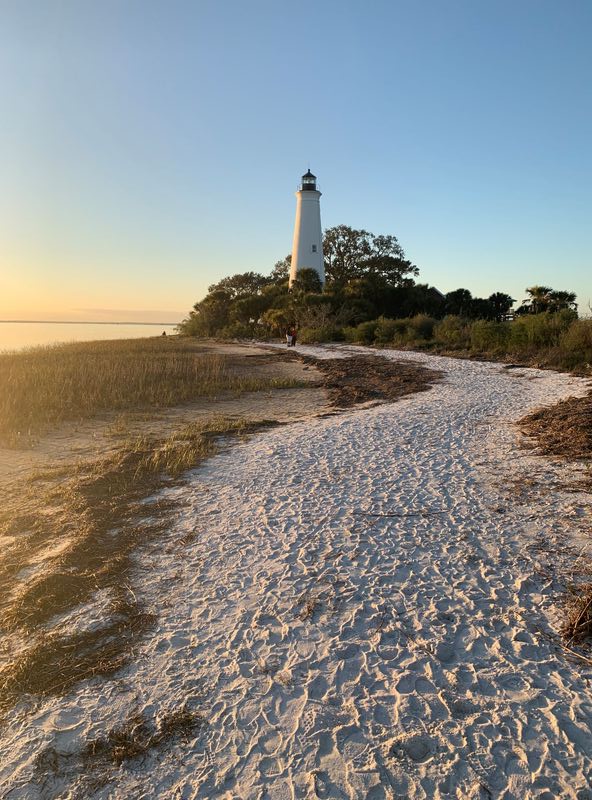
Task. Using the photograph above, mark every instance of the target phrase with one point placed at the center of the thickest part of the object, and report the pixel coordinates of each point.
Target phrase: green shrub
(575, 344)
(518, 339)
(386, 330)
(366, 331)
(401, 327)
(322, 333)
(540, 330)
(241, 330)
(486, 335)
(453, 332)
(420, 328)
(349, 334)
(578, 336)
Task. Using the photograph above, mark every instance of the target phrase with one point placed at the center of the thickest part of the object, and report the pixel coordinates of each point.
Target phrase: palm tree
(539, 298)
(560, 300)
(501, 303)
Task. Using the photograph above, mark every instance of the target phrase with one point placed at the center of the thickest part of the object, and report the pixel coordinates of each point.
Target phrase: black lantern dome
(309, 182)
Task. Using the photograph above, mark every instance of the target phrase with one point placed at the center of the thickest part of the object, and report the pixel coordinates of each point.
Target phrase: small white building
(307, 247)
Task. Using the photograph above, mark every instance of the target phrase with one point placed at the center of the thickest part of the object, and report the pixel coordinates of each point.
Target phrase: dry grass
(47, 385)
(564, 429)
(55, 663)
(578, 624)
(360, 379)
(135, 738)
(98, 511)
(309, 602)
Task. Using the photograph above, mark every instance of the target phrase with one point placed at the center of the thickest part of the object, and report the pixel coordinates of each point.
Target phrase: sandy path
(358, 615)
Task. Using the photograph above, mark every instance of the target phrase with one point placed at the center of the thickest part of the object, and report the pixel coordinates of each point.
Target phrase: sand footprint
(416, 744)
(324, 787)
(493, 767)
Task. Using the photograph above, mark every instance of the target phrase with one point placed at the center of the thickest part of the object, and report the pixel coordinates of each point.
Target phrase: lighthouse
(307, 247)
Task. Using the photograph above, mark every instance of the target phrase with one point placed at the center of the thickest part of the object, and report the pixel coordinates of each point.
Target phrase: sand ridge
(360, 605)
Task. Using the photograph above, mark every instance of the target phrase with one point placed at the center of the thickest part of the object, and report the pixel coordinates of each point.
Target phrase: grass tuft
(135, 738)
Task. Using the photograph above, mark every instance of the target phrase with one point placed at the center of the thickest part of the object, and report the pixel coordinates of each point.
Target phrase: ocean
(19, 335)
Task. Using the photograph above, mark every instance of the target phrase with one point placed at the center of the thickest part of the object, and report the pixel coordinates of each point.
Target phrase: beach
(352, 605)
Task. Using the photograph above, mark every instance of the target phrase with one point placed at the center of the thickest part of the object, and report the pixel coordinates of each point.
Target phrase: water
(18, 335)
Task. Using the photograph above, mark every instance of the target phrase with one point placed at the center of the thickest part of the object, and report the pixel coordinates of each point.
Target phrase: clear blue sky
(150, 147)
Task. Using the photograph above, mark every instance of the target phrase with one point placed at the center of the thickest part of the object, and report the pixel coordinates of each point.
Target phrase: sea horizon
(83, 322)
(21, 334)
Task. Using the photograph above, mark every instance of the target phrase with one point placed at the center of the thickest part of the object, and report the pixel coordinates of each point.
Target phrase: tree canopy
(367, 276)
(350, 254)
(543, 298)
(241, 285)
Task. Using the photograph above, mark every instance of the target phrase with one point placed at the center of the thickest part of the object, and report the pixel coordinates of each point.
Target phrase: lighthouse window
(314, 248)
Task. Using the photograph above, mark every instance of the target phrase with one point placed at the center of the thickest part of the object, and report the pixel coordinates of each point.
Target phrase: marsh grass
(43, 386)
(99, 511)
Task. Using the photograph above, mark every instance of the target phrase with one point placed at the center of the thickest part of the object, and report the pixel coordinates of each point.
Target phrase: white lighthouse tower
(307, 248)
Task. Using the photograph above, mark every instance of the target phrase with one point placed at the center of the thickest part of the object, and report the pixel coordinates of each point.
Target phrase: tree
(344, 250)
(425, 299)
(480, 308)
(543, 298)
(278, 319)
(459, 302)
(350, 253)
(281, 270)
(208, 316)
(355, 310)
(539, 298)
(307, 280)
(248, 309)
(391, 268)
(241, 285)
(501, 303)
(559, 300)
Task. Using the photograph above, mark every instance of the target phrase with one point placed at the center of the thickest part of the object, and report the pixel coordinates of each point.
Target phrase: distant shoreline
(84, 322)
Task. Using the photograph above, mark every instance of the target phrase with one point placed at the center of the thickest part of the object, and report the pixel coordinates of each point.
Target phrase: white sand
(431, 578)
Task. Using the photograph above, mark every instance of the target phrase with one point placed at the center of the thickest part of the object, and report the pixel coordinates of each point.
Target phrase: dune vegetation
(557, 340)
(43, 386)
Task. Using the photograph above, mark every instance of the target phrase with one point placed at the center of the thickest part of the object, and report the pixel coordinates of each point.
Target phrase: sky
(149, 148)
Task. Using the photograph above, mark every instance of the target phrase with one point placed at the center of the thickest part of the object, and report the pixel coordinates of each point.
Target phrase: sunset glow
(148, 153)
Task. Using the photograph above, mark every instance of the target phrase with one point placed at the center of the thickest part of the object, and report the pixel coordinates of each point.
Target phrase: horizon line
(85, 322)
